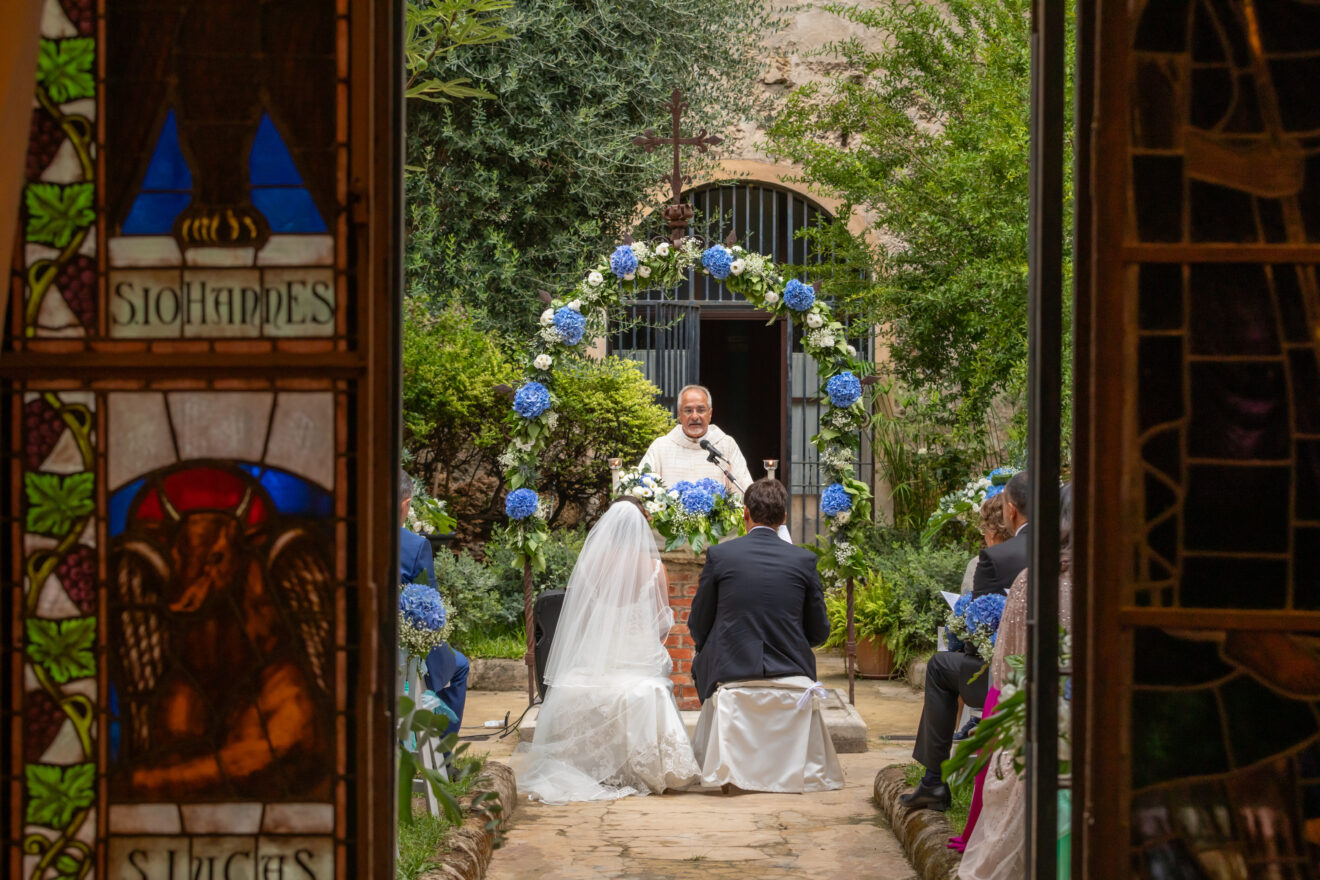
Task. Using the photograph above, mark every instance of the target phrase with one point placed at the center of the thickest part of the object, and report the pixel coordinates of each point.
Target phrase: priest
(679, 455)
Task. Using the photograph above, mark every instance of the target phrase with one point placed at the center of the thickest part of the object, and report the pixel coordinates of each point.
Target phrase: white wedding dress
(609, 726)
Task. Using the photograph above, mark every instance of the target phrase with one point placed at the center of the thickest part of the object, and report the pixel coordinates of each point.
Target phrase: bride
(609, 726)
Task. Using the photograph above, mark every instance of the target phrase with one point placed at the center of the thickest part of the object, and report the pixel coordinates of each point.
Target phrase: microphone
(710, 447)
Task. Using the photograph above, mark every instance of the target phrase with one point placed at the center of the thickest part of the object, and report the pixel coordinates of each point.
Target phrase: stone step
(847, 729)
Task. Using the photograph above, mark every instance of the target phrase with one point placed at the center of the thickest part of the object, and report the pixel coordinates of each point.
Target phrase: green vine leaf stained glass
(64, 68)
(63, 647)
(56, 793)
(55, 502)
(56, 213)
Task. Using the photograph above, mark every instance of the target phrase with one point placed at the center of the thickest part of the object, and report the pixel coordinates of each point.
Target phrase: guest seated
(949, 673)
(993, 531)
(996, 845)
(446, 668)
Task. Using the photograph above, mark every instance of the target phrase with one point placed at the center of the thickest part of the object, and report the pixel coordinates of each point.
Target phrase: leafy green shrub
(561, 553)
(472, 596)
(901, 601)
(606, 408)
(453, 420)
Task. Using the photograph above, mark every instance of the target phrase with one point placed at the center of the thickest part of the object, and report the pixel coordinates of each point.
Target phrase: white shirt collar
(771, 528)
(1019, 531)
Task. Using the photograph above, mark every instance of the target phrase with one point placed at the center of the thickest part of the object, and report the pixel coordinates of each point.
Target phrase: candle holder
(770, 465)
(616, 465)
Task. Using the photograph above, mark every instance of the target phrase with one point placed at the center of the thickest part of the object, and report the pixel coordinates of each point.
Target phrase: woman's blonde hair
(992, 518)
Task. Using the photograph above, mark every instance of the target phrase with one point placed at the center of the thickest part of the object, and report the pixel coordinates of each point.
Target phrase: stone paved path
(710, 835)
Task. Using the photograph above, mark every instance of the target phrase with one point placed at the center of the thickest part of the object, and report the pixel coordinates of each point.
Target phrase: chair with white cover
(767, 735)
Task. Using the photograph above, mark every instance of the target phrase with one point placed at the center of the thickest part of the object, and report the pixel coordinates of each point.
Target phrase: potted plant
(430, 518)
(872, 624)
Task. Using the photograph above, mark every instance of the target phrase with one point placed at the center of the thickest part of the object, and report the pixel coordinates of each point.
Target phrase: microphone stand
(714, 458)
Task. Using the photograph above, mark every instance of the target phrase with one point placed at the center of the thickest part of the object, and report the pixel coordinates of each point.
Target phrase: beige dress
(996, 850)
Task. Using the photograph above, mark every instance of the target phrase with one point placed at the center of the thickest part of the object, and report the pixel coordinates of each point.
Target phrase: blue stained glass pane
(114, 722)
(288, 209)
(119, 502)
(269, 163)
(153, 213)
(168, 169)
(292, 494)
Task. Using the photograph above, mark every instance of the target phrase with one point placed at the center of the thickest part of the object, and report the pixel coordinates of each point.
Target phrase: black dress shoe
(928, 797)
(966, 730)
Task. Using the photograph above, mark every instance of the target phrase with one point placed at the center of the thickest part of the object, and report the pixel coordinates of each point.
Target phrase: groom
(759, 607)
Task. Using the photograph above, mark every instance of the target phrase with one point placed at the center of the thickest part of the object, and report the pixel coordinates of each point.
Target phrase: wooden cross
(678, 214)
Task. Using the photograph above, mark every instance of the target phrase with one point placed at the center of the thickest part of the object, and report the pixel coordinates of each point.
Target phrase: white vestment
(676, 457)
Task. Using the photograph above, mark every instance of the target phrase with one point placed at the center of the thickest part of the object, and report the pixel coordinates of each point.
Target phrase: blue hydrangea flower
(835, 500)
(570, 324)
(1067, 686)
(531, 400)
(718, 261)
(960, 606)
(682, 486)
(711, 486)
(698, 500)
(844, 389)
(422, 607)
(623, 261)
(985, 611)
(798, 296)
(521, 503)
(992, 492)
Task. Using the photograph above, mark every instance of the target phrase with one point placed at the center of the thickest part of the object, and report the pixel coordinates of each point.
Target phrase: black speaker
(545, 617)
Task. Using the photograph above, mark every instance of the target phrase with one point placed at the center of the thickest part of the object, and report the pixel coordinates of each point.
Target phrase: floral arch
(570, 321)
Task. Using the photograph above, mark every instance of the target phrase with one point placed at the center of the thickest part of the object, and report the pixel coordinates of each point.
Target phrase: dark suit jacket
(415, 559)
(757, 612)
(999, 565)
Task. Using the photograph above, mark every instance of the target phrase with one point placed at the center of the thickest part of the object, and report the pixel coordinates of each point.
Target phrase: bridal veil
(609, 726)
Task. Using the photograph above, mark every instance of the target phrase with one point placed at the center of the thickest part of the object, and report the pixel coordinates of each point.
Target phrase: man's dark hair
(1017, 490)
(405, 486)
(767, 502)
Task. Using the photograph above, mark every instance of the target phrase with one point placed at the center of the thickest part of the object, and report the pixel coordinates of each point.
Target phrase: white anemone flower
(575, 305)
(644, 271)
(595, 279)
(737, 266)
(662, 249)
(547, 317)
(814, 320)
(641, 491)
(542, 362)
(771, 298)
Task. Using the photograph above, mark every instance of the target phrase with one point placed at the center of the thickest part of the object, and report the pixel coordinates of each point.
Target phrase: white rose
(595, 279)
(630, 276)
(575, 305)
(852, 351)
(542, 362)
(827, 340)
(640, 491)
(737, 267)
(547, 317)
(771, 298)
(842, 518)
(814, 320)
(644, 271)
(662, 249)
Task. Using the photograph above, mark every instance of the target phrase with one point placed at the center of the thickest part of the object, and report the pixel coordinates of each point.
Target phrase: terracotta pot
(874, 659)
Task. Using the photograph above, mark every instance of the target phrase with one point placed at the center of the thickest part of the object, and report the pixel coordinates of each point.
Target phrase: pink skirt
(959, 843)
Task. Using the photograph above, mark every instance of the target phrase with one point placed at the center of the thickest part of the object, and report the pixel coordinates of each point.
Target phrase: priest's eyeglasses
(695, 410)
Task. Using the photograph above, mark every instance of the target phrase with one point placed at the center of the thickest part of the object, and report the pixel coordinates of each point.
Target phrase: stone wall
(683, 569)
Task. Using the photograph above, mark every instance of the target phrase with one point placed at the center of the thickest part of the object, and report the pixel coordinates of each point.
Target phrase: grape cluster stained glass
(1225, 154)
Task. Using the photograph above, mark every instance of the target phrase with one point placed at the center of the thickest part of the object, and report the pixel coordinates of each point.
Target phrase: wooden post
(851, 646)
(530, 658)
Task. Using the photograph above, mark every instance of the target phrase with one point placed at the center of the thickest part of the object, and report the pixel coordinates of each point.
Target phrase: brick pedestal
(683, 569)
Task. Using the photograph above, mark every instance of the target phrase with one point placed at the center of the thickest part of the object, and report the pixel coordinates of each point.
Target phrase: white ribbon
(816, 690)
